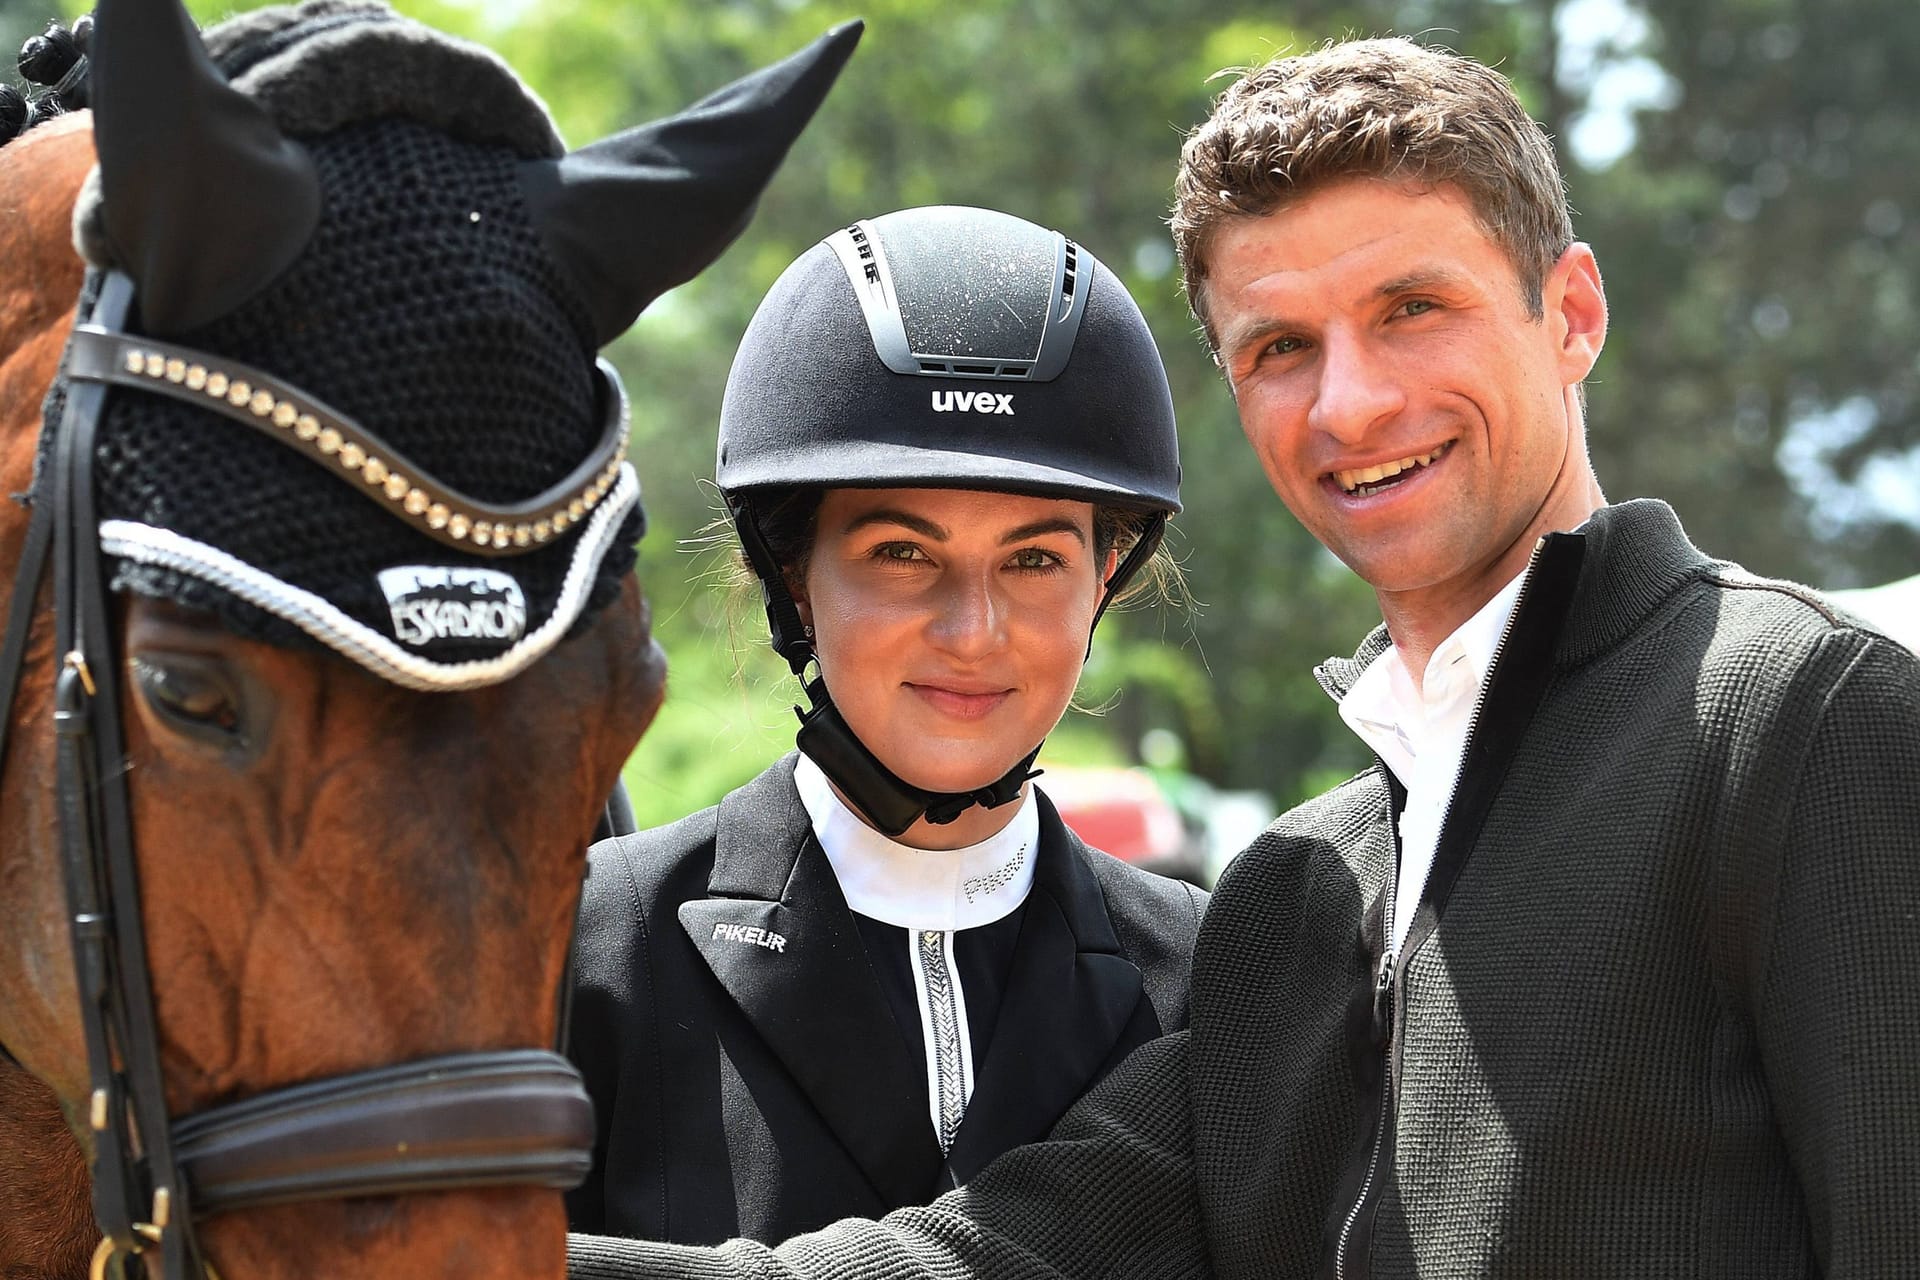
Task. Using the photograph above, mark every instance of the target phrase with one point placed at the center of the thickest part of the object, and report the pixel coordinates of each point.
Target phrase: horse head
(361, 498)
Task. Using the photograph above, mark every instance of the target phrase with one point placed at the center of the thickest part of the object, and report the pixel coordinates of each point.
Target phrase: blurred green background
(1746, 170)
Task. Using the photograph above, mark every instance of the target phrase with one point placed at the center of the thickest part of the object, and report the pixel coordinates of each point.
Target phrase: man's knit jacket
(1658, 1014)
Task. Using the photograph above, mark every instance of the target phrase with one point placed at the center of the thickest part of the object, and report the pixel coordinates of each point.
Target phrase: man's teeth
(1351, 480)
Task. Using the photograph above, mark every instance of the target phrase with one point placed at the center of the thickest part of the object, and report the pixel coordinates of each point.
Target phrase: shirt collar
(1389, 714)
(943, 889)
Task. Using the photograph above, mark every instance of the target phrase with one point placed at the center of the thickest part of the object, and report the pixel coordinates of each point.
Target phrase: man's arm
(1839, 1014)
(1109, 1193)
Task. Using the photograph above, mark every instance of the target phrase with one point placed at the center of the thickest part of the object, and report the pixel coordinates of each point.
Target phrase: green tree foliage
(1759, 230)
(1762, 371)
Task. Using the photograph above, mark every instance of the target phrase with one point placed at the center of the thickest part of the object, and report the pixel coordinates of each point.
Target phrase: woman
(947, 442)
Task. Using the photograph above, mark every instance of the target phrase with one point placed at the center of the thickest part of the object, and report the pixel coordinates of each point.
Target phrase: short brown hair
(1386, 108)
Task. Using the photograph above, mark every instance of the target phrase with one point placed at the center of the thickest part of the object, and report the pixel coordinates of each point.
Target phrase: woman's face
(951, 624)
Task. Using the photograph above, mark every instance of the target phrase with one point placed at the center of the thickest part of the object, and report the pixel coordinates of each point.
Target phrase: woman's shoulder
(641, 859)
(633, 884)
(1152, 915)
(667, 864)
(1129, 887)
(1132, 891)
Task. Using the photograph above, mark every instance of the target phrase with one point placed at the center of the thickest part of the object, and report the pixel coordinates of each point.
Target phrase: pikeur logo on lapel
(751, 934)
(973, 401)
(737, 934)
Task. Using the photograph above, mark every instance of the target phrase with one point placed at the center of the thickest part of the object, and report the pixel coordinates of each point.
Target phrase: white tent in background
(1894, 608)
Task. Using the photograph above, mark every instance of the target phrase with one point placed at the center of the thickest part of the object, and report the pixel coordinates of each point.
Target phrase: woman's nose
(969, 619)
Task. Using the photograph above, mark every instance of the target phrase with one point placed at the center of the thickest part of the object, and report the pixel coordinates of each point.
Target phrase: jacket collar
(1070, 993)
(1636, 556)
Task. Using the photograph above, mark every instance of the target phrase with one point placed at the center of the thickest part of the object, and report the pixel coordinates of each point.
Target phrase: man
(1607, 968)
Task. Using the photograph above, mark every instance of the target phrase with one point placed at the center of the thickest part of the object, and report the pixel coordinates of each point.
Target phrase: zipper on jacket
(1383, 1036)
(1385, 988)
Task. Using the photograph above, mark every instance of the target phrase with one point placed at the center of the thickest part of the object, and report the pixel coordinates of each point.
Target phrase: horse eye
(195, 696)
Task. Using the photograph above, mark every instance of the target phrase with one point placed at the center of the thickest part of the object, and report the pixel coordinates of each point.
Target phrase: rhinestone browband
(351, 452)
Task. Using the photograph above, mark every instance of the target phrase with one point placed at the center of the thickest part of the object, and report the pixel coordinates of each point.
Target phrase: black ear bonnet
(435, 302)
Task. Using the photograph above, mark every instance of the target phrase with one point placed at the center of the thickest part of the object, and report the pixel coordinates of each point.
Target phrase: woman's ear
(1109, 566)
(797, 588)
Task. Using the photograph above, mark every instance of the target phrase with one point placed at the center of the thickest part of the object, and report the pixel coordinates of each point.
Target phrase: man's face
(1407, 408)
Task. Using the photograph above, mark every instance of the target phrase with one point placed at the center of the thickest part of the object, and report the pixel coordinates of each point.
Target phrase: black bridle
(509, 1117)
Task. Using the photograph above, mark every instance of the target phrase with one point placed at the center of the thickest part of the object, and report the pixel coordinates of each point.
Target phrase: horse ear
(633, 215)
(203, 200)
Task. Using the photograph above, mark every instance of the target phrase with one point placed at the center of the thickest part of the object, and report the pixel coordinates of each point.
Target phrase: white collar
(1385, 709)
(943, 889)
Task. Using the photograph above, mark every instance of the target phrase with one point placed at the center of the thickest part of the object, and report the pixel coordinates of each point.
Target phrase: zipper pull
(1383, 1005)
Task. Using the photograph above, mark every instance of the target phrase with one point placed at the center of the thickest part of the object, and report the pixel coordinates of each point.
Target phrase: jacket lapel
(1070, 996)
(778, 935)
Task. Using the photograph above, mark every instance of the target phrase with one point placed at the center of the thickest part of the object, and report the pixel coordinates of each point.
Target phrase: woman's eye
(191, 695)
(1035, 558)
(898, 551)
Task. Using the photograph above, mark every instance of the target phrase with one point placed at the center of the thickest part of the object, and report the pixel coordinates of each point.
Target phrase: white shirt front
(1421, 734)
(932, 894)
(918, 889)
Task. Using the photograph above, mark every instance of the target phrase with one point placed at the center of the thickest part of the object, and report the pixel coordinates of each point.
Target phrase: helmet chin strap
(885, 799)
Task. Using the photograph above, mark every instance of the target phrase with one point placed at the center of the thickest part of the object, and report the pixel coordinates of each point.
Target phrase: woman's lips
(959, 703)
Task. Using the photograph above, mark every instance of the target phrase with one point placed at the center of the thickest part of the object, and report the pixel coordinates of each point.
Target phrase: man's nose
(1358, 387)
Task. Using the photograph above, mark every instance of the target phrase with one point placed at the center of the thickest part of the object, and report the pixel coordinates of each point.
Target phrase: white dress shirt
(1421, 733)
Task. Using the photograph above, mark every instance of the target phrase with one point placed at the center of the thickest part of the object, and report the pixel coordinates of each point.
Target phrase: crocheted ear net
(425, 307)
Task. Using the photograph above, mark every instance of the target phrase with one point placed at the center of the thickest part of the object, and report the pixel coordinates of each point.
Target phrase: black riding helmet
(941, 347)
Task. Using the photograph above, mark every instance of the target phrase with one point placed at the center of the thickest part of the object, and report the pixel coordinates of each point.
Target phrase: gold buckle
(78, 662)
(106, 1251)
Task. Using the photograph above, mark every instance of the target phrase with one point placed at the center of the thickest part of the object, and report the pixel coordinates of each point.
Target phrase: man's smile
(1364, 482)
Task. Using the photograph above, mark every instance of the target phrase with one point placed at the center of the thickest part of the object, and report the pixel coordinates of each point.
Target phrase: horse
(293, 811)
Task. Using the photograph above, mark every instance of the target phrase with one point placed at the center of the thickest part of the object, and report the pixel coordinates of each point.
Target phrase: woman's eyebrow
(939, 533)
(1040, 528)
(905, 519)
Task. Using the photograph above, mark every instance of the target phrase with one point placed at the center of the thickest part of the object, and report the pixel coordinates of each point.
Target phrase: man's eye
(1285, 346)
(1417, 306)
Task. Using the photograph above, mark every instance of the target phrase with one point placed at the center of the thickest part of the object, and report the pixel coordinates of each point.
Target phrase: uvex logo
(975, 401)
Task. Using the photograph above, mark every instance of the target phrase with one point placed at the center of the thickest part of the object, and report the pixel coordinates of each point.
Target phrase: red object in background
(1122, 811)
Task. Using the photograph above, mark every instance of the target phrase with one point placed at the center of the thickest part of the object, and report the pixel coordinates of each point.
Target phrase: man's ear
(1576, 309)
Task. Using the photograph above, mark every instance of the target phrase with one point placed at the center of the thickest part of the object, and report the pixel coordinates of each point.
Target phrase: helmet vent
(1005, 369)
(864, 248)
(966, 293)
